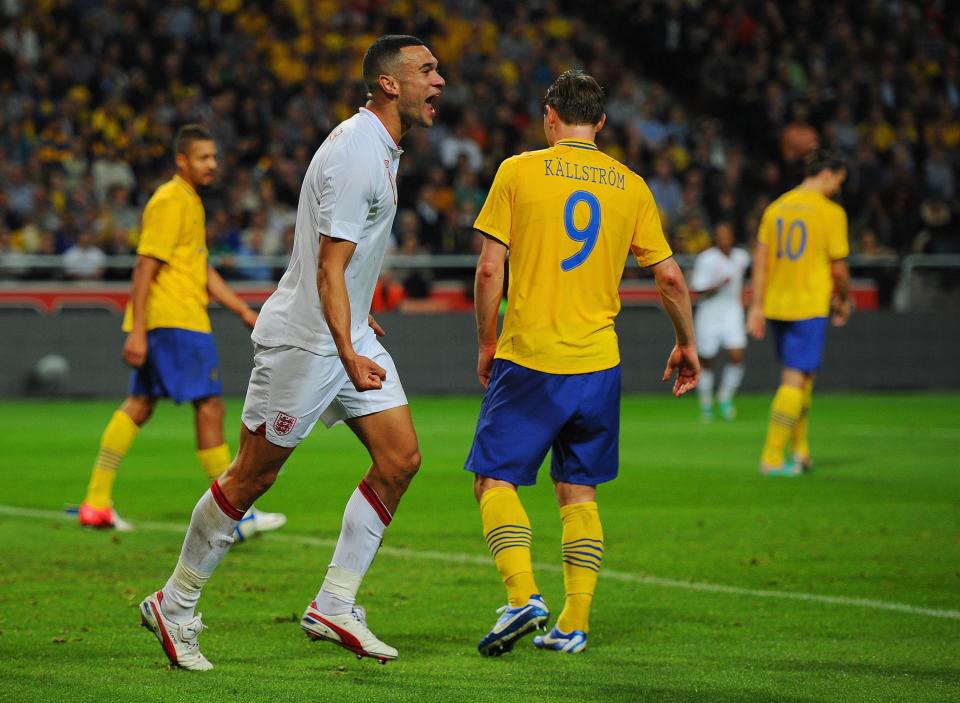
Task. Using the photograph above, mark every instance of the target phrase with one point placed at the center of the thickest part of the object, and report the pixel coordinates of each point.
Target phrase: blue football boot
(513, 624)
(566, 642)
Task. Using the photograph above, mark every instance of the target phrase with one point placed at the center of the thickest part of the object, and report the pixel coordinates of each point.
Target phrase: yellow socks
(582, 554)
(114, 445)
(214, 460)
(784, 413)
(801, 444)
(507, 531)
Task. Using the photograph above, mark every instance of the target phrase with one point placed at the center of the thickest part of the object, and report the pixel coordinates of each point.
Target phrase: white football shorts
(291, 388)
(726, 330)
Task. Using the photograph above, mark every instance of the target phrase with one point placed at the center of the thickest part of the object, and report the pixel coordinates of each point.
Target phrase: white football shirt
(710, 269)
(349, 192)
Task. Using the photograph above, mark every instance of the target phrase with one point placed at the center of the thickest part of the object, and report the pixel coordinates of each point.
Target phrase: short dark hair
(381, 54)
(187, 135)
(823, 159)
(576, 97)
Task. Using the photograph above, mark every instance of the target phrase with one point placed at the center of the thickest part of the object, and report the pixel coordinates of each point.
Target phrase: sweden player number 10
(795, 241)
(588, 235)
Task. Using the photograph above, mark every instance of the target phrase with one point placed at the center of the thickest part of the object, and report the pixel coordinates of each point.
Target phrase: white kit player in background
(317, 357)
(719, 319)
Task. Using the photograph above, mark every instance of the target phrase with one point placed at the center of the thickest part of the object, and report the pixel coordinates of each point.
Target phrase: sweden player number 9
(588, 235)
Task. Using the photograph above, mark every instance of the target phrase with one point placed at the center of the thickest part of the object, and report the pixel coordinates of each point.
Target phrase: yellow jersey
(174, 231)
(570, 215)
(803, 232)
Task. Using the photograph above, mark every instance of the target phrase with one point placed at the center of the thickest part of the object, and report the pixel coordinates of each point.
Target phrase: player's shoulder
(707, 255)
(832, 206)
(170, 191)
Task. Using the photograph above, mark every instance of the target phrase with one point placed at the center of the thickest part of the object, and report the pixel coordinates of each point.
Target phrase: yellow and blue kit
(804, 231)
(182, 359)
(570, 216)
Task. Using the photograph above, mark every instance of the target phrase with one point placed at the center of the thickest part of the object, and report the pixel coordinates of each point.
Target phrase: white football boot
(179, 640)
(255, 521)
(350, 631)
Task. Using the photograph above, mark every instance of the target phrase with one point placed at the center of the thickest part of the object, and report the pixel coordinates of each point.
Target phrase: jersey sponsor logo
(284, 423)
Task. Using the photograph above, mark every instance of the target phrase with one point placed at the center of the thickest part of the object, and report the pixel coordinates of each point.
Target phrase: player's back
(573, 214)
(803, 232)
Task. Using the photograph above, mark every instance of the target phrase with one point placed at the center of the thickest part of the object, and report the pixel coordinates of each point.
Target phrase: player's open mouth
(431, 108)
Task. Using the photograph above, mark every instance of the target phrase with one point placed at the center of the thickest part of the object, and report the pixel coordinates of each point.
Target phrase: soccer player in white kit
(317, 357)
(719, 319)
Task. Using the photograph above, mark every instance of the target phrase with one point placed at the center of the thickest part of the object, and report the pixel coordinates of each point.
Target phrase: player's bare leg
(730, 383)
(582, 548)
(214, 456)
(391, 440)
(96, 510)
(705, 390)
(170, 612)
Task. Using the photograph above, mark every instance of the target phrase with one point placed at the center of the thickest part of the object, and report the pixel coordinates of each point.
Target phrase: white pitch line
(484, 560)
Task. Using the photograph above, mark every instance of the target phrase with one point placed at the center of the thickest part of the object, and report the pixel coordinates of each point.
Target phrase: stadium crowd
(712, 102)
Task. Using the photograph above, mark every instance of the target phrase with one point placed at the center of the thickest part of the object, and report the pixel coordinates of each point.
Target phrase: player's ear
(603, 121)
(181, 161)
(389, 85)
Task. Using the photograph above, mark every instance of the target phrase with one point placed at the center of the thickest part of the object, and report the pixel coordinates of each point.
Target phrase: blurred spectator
(111, 170)
(939, 234)
(91, 94)
(84, 260)
(692, 236)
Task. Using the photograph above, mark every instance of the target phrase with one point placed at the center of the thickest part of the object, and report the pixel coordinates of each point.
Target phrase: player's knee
(139, 409)
(409, 465)
(212, 410)
(402, 467)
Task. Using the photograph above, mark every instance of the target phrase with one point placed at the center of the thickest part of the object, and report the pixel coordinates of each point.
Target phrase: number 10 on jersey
(794, 242)
(588, 235)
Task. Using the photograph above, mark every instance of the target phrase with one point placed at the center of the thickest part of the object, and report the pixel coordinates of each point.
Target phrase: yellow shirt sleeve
(496, 216)
(838, 245)
(649, 244)
(162, 220)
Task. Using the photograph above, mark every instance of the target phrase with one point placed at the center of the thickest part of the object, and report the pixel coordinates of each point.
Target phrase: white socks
(705, 389)
(364, 521)
(208, 538)
(730, 382)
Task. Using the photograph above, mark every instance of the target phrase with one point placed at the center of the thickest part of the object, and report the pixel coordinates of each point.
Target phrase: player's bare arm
(227, 297)
(487, 293)
(332, 263)
(135, 348)
(676, 301)
(756, 322)
(375, 326)
(840, 273)
(711, 291)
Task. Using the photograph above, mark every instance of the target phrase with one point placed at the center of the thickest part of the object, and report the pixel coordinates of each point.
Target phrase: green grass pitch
(719, 584)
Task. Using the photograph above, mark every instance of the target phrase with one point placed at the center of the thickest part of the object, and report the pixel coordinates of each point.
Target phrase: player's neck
(583, 133)
(816, 185)
(187, 181)
(389, 117)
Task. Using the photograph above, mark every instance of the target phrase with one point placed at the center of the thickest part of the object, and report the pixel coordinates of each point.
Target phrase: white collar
(382, 131)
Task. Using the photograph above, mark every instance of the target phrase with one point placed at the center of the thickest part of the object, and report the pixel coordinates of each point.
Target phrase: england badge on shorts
(284, 424)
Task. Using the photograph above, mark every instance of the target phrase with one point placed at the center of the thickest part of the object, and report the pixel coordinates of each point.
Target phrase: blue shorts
(525, 413)
(181, 365)
(800, 342)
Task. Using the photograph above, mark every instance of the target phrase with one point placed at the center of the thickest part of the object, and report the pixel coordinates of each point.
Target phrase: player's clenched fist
(365, 373)
(135, 349)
